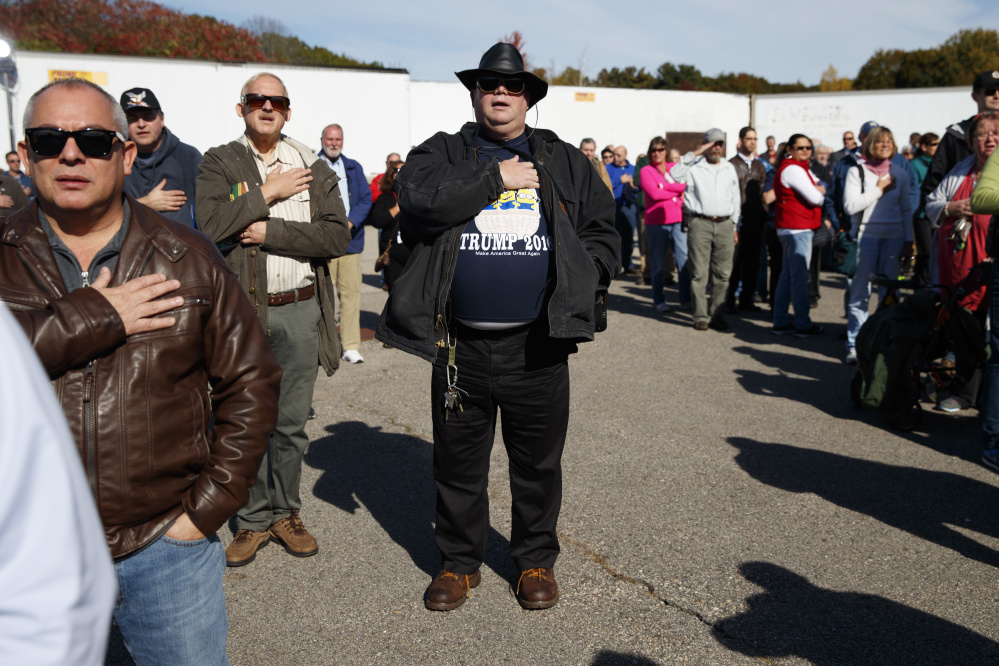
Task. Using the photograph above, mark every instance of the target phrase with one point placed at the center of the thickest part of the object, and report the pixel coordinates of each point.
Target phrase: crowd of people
(143, 273)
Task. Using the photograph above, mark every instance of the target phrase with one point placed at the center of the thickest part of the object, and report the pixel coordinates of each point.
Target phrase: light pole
(9, 71)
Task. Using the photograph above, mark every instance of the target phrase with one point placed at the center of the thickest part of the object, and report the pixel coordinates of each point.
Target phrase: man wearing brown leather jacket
(274, 209)
(133, 317)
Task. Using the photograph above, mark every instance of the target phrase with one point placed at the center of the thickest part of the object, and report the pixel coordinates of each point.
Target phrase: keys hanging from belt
(452, 396)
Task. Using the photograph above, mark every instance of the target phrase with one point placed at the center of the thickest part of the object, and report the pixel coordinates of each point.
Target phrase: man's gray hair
(323, 133)
(256, 77)
(586, 141)
(117, 115)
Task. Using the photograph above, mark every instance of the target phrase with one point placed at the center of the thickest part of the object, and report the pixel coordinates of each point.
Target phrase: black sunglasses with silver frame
(50, 141)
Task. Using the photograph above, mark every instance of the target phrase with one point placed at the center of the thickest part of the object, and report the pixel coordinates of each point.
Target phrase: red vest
(793, 211)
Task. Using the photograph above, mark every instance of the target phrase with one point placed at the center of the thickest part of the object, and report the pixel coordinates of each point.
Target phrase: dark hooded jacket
(444, 184)
(175, 161)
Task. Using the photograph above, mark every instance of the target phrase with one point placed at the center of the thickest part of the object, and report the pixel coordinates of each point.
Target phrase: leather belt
(716, 218)
(291, 296)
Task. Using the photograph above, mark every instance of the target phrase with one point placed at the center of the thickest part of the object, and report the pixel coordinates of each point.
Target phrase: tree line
(956, 62)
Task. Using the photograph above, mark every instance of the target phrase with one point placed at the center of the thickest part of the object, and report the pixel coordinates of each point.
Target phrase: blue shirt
(622, 193)
(501, 272)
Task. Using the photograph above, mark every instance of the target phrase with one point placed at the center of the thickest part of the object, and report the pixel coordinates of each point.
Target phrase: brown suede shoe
(291, 533)
(449, 590)
(537, 589)
(244, 547)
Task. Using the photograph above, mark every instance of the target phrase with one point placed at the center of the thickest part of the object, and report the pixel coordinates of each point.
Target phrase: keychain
(452, 396)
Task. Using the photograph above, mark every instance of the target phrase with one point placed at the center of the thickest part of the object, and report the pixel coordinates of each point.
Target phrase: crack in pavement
(603, 562)
(650, 589)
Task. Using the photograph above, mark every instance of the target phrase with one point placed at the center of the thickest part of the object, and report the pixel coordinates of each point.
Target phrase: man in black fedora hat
(512, 233)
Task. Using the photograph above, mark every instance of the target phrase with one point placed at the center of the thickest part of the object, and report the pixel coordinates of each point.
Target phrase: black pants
(746, 267)
(525, 374)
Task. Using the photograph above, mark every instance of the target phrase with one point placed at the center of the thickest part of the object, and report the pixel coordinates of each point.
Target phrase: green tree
(278, 45)
(880, 71)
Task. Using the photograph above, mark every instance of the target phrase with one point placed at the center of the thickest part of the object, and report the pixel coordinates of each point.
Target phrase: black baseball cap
(139, 98)
(986, 80)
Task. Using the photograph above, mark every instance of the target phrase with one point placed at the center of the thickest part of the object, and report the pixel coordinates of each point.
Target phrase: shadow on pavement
(923, 503)
(793, 618)
(608, 658)
(391, 475)
(825, 385)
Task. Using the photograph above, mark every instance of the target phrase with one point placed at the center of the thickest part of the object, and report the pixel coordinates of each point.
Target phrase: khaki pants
(710, 247)
(346, 274)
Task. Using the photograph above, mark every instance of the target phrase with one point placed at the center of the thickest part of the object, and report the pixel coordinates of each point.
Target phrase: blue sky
(783, 41)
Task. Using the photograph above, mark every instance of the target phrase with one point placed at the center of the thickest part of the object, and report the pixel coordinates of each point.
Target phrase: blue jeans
(990, 395)
(792, 285)
(660, 237)
(874, 255)
(626, 223)
(171, 607)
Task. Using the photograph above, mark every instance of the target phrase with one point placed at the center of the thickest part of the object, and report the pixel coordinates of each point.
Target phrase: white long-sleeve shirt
(57, 582)
(712, 189)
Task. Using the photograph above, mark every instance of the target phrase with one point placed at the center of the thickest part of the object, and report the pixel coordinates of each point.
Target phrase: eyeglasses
(279, 103)
(489, 84)
(991, 92)
(49, 141)
(802, 147)
(658, 150)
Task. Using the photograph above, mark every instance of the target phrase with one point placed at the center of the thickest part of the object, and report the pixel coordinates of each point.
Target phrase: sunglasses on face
(514, 86)
(991, 92)
(802, 147)
(49, 141)
(658, 150)
(278, 102)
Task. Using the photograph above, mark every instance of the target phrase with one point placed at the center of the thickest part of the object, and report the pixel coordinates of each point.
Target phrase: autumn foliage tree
(132, 27)
(956, 62)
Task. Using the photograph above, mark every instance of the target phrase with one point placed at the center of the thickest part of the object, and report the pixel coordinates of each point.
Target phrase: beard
(332, 152)
(714, 156)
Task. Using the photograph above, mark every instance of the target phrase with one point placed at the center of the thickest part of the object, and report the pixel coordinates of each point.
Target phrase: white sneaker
(352, 356)
(663, 307)
(851, 357)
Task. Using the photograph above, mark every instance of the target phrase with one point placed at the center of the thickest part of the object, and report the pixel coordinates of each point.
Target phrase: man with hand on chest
(513, 233)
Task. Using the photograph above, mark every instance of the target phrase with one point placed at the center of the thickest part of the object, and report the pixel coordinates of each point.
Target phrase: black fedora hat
(505, 60)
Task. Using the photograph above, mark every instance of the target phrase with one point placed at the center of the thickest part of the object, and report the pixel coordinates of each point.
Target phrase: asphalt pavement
(724, 504)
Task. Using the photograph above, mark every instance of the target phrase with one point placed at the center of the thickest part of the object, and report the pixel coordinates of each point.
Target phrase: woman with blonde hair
(876, 195)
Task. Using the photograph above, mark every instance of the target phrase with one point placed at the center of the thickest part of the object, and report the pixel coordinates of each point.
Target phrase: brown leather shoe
(449, 590)
(291, 533)
(244, 547)
(537, 589)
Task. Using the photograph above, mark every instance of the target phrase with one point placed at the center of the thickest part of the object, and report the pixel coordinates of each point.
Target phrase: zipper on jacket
(439, 321)
(85, 276)
(35, 275)
(11, 305)
(195, 301)
(89, 435)
(145, 263)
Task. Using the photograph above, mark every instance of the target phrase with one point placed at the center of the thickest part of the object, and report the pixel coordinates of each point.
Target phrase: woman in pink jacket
(663, 214)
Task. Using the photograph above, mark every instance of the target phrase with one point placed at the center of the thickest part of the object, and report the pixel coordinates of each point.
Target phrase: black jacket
(444, 184)
(952, 149)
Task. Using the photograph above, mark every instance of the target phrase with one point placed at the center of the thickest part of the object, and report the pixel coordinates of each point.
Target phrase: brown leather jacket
(138, 407)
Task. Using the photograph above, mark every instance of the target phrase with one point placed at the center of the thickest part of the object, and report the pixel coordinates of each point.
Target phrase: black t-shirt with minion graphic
(503, 254)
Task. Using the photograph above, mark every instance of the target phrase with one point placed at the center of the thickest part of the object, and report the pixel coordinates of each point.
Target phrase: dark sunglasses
(278, 102)
(488, 84)
(658, 150)
(802, 147)
(49, 141)
(990, 92)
